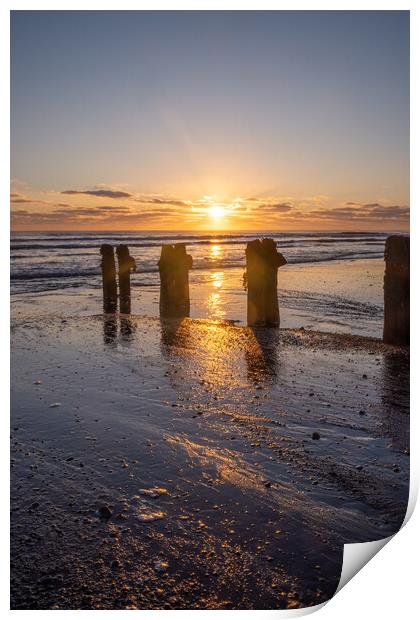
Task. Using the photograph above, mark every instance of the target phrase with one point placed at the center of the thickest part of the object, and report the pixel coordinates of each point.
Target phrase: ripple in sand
(146, 514)
(153, 492)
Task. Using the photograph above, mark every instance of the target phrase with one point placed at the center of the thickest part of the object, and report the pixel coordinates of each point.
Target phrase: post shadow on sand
(127, 329)
(262, 354)
(395, 397)
(262, 263)
(110, 329)
(126, 265)
(175, 333)
(109, 278)
(174, 265)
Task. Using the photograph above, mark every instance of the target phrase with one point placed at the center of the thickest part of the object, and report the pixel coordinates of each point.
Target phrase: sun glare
(216, 211)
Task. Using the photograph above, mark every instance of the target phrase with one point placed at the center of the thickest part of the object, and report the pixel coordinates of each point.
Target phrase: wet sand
(195, 464)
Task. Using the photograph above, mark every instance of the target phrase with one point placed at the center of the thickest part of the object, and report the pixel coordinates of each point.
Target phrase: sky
(201, 120)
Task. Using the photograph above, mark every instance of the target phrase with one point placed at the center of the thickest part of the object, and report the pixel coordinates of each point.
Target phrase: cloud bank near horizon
(136, 210)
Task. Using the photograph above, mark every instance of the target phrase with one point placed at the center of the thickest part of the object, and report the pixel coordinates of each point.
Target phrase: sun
(216, 211)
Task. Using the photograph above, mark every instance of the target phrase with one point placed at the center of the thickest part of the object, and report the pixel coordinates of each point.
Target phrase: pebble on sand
(105, 512)
(316, 435)
(161, 566)
(53, 405)
(51, 581)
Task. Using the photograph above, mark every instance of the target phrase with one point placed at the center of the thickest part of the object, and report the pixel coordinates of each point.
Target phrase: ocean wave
(286, 243)
(203, 264)
(54, 275)
(329, 305)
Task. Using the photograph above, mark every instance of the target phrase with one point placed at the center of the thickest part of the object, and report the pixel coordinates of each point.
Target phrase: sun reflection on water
(216, 251)
(214, 301)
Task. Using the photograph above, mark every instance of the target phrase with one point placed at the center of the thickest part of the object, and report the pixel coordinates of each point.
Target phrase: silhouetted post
(262, 263)
(397, 290)
(174, 264)
(126, 264)
(109, 281)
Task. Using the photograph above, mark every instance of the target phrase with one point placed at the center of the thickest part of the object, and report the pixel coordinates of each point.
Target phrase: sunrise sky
(210, 120)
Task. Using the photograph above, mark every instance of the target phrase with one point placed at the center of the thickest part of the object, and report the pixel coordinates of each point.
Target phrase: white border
(387, 586)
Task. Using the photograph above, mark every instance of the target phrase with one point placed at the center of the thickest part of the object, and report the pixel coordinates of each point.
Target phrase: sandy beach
(197, 464)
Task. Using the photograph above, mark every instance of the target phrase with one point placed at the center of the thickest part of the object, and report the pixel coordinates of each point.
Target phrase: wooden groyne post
(174, 264)
(126, 264)
(262, 263)
(397, 290)
(109, 279)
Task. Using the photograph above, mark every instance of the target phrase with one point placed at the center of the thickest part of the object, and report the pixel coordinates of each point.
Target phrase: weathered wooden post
(262, 263)
(126, 264)
(109, 281)
(174, 264)
(397, 290)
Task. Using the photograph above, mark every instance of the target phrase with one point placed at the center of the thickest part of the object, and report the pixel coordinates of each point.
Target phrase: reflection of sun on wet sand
(215, 298)
(193, 464)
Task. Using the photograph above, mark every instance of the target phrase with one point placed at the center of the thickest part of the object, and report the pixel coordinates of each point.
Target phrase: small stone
(38, 382)
(105, 512)
(154, 492)
(51, 582)
(145, 515)
(267, 484)
(316, 435)
(53, 405)
(161, 566)
(362, 412)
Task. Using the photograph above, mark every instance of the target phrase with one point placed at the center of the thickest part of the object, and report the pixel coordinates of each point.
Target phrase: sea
(333, 281)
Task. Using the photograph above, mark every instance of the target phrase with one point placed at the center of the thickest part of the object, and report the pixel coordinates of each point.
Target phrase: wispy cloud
(100, 193)
(98, 215)
(276, 207)
(17, 198)
(164, 201)
(363, 211)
